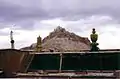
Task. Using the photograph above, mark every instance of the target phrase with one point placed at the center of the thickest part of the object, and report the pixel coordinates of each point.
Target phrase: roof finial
(94, 38)
(11, 40)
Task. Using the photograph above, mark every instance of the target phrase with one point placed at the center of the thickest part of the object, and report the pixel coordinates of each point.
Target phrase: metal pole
(60, 62)
(12, 41)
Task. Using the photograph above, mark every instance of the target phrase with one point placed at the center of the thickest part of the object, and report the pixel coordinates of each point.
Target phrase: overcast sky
(31, 18)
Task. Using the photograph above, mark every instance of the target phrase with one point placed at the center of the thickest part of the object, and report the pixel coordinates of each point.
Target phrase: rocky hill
(62, 40)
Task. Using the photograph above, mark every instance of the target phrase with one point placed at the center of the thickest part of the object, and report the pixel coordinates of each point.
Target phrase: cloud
(29, 18)
(25, 12)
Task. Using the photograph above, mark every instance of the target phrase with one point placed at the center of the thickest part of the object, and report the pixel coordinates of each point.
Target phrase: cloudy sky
(31, 18)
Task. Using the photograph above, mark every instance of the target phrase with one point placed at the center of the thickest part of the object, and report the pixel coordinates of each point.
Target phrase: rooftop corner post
(94, 38)
(39, 44)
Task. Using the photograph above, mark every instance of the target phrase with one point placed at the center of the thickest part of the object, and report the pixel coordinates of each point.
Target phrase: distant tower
(12, 41)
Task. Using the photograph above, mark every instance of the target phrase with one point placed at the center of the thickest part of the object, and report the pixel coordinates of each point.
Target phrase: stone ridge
(60, 32)
(62, 40)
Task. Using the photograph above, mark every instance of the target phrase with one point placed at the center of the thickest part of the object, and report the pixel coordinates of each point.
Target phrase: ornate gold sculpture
(94, 38)
(39, 44)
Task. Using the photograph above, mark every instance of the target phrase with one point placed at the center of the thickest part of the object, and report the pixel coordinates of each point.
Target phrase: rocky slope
(62, 40)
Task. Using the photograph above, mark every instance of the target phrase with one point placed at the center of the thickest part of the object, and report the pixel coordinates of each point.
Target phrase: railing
(28, 61)
(75, 50)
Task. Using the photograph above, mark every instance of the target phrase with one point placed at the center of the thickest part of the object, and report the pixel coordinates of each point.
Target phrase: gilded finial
(94, 38)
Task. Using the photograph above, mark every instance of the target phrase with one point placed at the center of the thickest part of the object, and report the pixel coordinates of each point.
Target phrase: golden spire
(39, 44)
